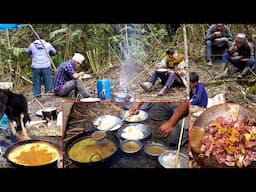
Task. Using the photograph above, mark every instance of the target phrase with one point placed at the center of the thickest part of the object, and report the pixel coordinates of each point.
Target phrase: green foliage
(96, 60)
(98, 42)
(251, 90)
(53, 34)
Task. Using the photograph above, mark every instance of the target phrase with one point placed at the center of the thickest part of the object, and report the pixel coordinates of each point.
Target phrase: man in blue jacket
(41, 65)
(198, 94)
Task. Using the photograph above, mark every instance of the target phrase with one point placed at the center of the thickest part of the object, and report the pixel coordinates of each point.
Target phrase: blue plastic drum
(104, 88)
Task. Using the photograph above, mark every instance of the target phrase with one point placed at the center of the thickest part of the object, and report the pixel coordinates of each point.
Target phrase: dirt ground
(176, 93)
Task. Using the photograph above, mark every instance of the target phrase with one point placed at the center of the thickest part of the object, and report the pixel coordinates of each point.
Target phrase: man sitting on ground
(218, 37)
(67, 78)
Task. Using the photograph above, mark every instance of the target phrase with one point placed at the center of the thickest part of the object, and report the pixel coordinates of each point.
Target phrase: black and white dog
(15, 106)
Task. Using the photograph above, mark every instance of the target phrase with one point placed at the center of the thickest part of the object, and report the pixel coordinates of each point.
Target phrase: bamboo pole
(226, 81)
(183, 120)
(8, 39)
(186, 58)
(33, 30)
(180, 139)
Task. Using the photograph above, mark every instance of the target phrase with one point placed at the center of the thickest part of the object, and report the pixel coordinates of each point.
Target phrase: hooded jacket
(39, 57)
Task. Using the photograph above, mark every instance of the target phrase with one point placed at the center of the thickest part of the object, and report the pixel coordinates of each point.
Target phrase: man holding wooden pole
(41, 64)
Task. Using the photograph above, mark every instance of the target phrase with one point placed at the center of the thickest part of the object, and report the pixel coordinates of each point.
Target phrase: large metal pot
(53, 164)
(101, 163)
(212, 113)
(120, 97)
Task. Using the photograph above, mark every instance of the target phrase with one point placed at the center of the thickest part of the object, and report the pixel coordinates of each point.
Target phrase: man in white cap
(66, 78)
(240, 55)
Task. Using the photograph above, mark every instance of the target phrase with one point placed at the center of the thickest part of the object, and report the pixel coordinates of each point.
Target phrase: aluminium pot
(120, 97)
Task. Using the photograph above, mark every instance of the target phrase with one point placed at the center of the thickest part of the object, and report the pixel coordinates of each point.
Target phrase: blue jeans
(240, 65)
(211, 44)
(167, 79)
(37, 75)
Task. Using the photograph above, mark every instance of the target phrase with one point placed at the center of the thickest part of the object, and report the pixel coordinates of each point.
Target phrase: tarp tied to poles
(9, 26)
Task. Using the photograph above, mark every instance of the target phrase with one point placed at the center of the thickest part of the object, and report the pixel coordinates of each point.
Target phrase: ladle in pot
(95, 154)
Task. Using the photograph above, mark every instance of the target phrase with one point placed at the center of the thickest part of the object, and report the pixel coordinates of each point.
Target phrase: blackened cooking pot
(105, 162)
(34, 142)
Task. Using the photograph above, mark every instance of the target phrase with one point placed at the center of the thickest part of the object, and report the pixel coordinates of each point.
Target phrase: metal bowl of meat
(224, 136)
(168, 160)
(105, 122)
(134, 131)
(136, 118)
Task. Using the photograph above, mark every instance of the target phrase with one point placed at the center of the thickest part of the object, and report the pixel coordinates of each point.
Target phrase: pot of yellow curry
(85, 151)
(33, 153)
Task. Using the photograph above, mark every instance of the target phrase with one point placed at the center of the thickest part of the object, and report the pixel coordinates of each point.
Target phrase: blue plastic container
(4, 124)
(104, 88)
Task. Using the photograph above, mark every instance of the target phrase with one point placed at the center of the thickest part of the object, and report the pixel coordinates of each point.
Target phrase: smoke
(132, 52)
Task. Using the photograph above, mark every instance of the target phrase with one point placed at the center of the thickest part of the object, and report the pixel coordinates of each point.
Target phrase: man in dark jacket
(218, 37)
